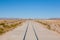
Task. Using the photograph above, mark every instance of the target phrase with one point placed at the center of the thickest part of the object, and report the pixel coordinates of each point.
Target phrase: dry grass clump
(6, 25)
(51, 24)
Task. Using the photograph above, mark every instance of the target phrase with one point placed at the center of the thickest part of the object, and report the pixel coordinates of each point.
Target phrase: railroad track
(36, 37)
(35, 33)
(25, 32)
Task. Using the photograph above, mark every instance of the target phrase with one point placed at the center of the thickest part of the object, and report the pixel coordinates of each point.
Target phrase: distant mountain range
(9, 18)
(29, 19)
(54, 19)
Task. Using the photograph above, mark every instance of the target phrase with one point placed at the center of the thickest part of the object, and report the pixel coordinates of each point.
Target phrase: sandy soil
(19, 32)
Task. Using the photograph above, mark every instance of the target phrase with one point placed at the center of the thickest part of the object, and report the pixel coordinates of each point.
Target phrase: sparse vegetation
(7, 25)
(51, 24)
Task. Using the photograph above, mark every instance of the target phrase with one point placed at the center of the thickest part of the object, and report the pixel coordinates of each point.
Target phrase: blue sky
(29, 8)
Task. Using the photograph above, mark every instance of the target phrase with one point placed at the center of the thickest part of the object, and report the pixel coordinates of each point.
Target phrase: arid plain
(29, 29)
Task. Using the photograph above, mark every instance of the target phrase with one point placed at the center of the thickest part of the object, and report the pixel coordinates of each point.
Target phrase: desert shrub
(7, 25)
(48, 26)
(1, 31)
(2, 23)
